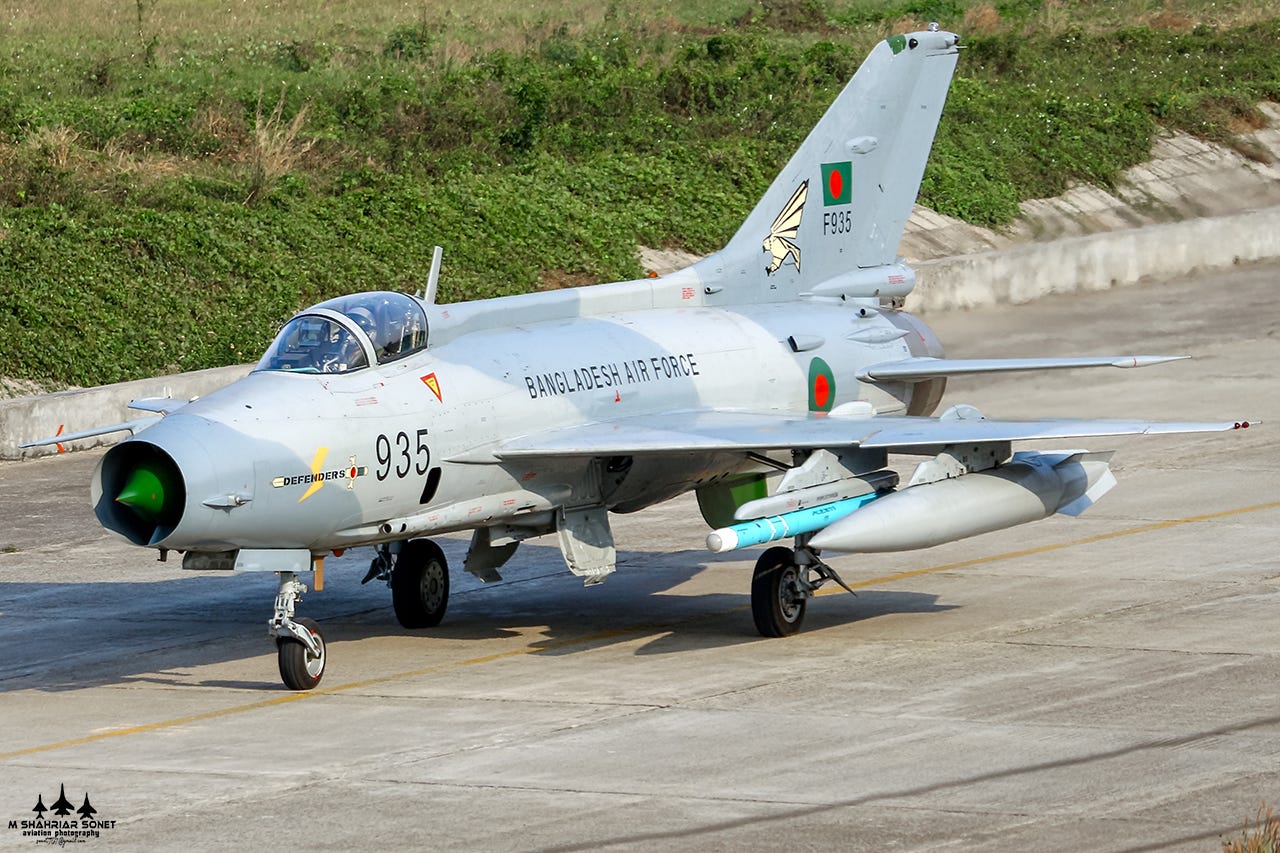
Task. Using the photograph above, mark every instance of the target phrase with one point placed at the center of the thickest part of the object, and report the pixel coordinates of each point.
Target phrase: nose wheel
(299, 643)
(301, 668)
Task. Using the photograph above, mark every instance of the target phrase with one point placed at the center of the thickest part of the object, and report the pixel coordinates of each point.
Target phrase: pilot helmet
(364, 319)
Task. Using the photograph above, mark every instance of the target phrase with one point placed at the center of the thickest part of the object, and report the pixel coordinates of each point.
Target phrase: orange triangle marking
(434, 384)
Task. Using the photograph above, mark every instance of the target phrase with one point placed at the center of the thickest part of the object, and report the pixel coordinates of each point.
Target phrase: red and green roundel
(837, 183)
(822, 386)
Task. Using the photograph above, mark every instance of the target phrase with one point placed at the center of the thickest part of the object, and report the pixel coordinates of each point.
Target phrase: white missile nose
(724, 539)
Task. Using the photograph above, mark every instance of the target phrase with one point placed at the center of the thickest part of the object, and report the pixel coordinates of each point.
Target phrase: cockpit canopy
(349, 333)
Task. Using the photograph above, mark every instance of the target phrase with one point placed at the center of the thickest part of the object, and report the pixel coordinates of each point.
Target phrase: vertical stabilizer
(831, 221)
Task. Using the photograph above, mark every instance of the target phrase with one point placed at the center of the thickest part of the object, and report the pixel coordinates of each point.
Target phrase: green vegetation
(174, 183)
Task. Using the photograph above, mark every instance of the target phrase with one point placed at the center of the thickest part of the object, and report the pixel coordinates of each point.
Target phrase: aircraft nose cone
(144, 492)
(139, 492)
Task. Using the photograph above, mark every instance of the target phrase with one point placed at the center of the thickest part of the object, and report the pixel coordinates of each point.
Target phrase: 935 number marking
(399, 454)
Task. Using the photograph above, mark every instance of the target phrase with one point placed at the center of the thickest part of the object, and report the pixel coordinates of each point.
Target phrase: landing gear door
(587, 542)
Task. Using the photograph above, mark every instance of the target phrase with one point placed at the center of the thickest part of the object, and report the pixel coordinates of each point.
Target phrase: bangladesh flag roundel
(837, 183)
(822, 386)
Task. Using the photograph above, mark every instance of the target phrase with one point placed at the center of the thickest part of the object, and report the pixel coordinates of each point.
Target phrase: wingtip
(1146, 360)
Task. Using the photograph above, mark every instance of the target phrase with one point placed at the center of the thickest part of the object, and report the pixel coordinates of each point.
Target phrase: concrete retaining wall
(25, 419)
(1095, 261)
(1014, 275)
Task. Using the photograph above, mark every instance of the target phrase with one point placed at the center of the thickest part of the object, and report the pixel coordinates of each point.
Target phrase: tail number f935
(837, 222)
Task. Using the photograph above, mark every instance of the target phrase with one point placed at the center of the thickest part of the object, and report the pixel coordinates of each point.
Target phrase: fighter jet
(773, 378)
(63, 806)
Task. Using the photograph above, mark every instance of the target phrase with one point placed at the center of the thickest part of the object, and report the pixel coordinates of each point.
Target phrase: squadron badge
(782, 234)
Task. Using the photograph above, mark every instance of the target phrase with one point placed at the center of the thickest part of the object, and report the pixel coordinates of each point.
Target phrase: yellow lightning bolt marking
(316, 464)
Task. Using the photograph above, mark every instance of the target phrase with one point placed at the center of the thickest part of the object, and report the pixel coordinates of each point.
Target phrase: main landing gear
(419, 579)
(782, 584)
(420, 584)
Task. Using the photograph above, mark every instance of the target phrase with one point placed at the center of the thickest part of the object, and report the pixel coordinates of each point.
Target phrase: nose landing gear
(299, 644)
(418, 575)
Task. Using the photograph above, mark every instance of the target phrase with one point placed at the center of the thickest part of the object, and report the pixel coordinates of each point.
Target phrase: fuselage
(287, 459)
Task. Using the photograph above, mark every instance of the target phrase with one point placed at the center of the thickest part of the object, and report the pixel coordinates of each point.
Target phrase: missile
(781, 526)
(1029, 487)
(784, 503)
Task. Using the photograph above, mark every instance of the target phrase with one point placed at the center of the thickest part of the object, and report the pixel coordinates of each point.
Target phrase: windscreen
(311, 344)
(393, 324)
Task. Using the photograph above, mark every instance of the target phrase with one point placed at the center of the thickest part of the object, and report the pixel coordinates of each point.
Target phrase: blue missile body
(775, 527)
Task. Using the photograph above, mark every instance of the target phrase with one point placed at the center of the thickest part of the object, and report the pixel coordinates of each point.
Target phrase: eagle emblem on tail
(782, 234)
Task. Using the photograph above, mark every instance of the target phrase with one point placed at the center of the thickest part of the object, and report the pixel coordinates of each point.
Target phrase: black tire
(776, 605)
(420, 584)
(299, 669)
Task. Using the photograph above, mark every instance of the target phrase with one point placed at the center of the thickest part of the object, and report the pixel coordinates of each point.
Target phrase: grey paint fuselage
(271, 438)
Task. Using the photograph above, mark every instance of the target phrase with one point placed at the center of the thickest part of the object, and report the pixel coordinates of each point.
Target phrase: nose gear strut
(299, 643)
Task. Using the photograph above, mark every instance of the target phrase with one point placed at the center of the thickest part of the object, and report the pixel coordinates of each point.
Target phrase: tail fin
(831, 221)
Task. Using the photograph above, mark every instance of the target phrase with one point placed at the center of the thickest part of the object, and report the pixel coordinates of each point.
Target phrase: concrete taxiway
(1104, 683)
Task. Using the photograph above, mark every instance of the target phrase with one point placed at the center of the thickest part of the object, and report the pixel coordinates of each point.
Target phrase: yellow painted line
(151, 727)
(324, 691)
(608, 635)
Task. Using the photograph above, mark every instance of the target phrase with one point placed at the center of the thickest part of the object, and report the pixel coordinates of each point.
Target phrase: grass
(220, 165)
(275, 147)
(1262, 837)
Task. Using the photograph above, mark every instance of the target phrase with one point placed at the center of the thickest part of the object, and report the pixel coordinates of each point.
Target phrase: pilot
(395, 336)
(364, 319)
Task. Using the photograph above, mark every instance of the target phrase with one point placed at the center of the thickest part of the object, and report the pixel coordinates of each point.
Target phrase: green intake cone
(144, 493)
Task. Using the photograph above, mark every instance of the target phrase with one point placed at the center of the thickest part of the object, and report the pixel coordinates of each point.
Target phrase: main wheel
(420, 584)
(299, 668)
(777, 600)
